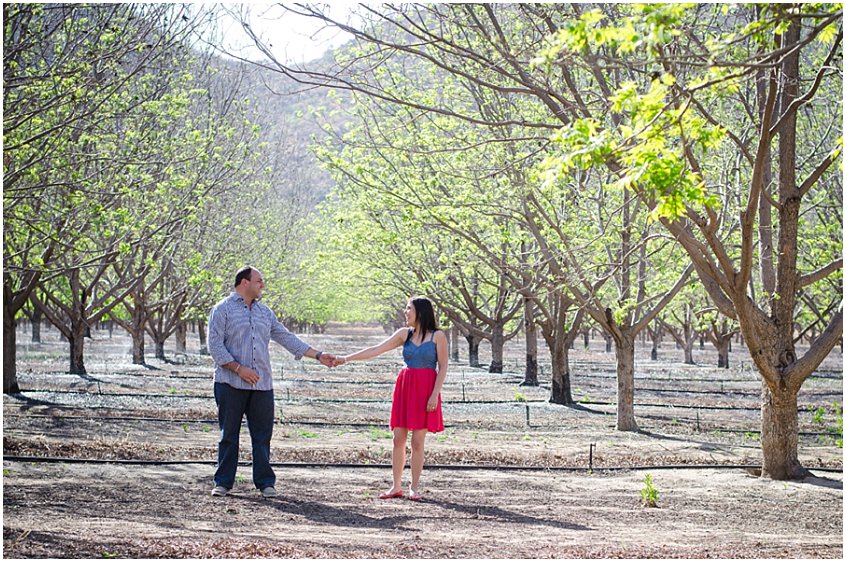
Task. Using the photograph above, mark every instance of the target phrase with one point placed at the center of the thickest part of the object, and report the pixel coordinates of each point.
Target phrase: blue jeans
(232, 404)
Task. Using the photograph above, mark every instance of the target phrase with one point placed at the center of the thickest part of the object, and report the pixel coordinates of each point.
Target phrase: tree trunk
(561, 391)
(10, 373)
(497, 344)
(473, 350)
(454, 332)
(723, 351)
(201, 331)
(531, 376)
(160, 350)
(688, 351)
(139, 319)
(656, 342)
(586, 335)
(608, 341)
(181, 336)
(36, 325)
(77, 347)
(625, 384)
(780, 435)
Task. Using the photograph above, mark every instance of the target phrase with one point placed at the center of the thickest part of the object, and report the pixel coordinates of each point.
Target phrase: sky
(294, 38)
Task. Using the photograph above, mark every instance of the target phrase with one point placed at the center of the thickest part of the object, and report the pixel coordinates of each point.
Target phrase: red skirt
(411, 394)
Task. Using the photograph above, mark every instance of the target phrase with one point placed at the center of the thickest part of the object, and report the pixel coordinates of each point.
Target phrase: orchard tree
(75, 80)
(740, 81)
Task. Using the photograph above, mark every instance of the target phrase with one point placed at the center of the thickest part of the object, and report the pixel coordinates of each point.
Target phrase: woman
(417, 394)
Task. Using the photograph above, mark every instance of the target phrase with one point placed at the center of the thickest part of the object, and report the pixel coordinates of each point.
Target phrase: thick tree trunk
(625, 384)
(160, 354)
(181, 336)
(497, 344)
(201, 331)
(655, 335)
(138, 351)
(36, 325)
(531, 375)
(454, 332)
(780, 435)
(723, 352)
(10, 373)
(473, 350)
(688, 351)
(139, 319)
(77, 347)
(561, 391)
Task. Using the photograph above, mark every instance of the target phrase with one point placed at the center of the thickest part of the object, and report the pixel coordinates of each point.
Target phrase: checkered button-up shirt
(241, 333)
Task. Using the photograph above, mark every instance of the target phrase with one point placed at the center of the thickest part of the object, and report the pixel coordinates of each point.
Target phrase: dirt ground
(93, 511)
(471, 509)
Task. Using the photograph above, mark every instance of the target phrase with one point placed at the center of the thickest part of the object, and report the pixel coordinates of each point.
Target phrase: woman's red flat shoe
(391, 496)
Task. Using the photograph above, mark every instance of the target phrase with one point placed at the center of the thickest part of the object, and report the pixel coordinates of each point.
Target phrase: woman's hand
(432, 404)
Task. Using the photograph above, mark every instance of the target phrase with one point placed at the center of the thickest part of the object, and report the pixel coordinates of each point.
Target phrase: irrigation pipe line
(301, 399)
(381, 423)
(829, 375)
(384, 466)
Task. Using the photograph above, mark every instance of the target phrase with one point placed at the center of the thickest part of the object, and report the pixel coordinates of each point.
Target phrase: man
(239, 334)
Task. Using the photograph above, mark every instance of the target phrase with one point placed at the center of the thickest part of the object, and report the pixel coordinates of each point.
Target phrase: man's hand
(327, 359)
(248, 375)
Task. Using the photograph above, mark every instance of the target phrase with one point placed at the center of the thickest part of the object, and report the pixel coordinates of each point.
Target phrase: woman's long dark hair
(425, 316)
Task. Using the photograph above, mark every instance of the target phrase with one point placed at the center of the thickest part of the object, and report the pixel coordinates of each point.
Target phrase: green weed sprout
(649, 494)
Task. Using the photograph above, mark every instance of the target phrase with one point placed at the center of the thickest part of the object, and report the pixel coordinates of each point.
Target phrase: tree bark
(655, 335)
(36, 324)
(688, 351)
(723, 352)
(137, 331)
(10, 374)
(780, 425)
(454, 332)
(561, 391)
(625, 383)
(201, 332)
(473, 350)
(160, 354)
(181, 336)
(77, 347)
(497, 344)
(530, 377)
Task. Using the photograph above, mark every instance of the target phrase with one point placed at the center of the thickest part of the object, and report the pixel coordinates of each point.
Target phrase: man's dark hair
(243, 273)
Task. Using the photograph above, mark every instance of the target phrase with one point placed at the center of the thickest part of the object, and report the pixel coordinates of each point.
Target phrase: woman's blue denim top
(423, 356)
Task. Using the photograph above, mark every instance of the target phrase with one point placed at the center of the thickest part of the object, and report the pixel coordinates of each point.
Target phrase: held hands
(329, 360)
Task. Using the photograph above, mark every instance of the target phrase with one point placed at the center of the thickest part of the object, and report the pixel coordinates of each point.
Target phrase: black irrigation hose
(830, 375)
(382, 401)
(493, 467)
(380, 423)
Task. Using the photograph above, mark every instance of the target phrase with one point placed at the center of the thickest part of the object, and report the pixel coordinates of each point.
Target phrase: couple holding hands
(239, 333)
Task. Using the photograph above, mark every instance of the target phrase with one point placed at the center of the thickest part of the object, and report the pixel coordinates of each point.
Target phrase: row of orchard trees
(137, 175)
(564, 162)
